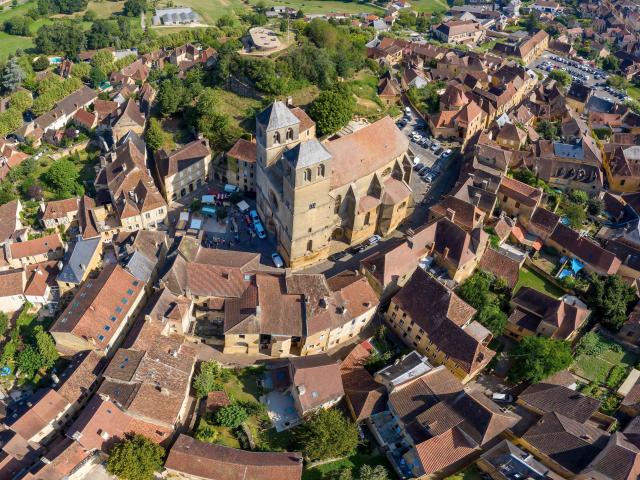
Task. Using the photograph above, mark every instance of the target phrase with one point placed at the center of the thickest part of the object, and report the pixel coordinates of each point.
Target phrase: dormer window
(290, 134)
(321, 170)
(307, 175)
(276, 137)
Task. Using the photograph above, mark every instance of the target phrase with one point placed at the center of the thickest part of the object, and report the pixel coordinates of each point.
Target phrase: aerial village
(399, 241)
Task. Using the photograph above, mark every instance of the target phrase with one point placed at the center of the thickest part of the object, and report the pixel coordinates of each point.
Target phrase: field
(529, 278)
(634, 92)
(242, 110)
(10, 43)
(596, 368)
(330, 6)
(430, 6)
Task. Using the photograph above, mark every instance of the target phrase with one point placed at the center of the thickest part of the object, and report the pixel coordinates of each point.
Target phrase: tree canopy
(62, 178)
(610, 298)
(490, 297)
(560, 76)
(137, 458)
(154, 136)
(536, 358)
(332, 110)
(328, 434)
(209, 379)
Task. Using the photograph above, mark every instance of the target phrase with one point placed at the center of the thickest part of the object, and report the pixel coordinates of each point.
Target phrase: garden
(529, 278)
(329, 441)
(603, 365)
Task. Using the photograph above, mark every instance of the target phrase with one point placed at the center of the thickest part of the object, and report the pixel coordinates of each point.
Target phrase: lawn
(363, 456)
(596, 368)
(365, 87)
(329, 6)
(472, 472)
(242, 110)
(634, 92)
(10, 43)
(430, 6)
(529, 278)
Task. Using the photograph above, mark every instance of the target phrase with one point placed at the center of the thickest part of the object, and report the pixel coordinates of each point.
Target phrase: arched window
(276, 137)
(290, 134)
(307, 175)
(310, 246)
(321, 170)
(336, 205)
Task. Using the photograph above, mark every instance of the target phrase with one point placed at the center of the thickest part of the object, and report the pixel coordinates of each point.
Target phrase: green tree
(475, 290)
(493, 318)
(29, 361)
(137, 458)
(41, 63)
(133, 8)
(328, 434)
(103, 60)
(561, 76)
(96, 76)
(610, 297)
(170, 96)
(62, 178)
(81, 70)
(61, 37)
(231, 416)
(535, 358)
(576, 215)
(46, 347)
(611, 63)
(4, 323)
(367, 472)
(579, 196)
(532, 22)
(332, 110)
(617, 81)
(547, 130)
(154, 135)
(595, 206)
(209, 379)
(12, 75)
(21, 100)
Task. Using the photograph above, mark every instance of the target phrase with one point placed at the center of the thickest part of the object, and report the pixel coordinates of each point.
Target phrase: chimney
(451, 214)
(445, 254)
(301, 389)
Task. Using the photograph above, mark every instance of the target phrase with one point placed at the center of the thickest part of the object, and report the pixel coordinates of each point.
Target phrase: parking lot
(591, 76)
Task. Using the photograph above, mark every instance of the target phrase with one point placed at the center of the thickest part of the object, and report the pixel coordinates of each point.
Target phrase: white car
(416, 160)
(407, 111)
(374, 239)
(277, 260)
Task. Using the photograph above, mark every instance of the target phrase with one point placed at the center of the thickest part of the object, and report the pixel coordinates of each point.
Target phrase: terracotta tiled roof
(545, 220)
(358, 154)
(100, 424)
(243, 150)
(60, 208)
(316, 379)
(8, 219)
(521, 192)
(365, 395)
(100, 306)
(546, 397)
(567, 442)
(84, 118)
(46, 404)
(585, 249)
(444, 450)
(12, 282)
(104, 108)
(37, 246)
(169, 164)
(501, 266)
(216, 462)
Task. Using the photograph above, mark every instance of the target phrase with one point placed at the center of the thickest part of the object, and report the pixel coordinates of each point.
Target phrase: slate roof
(77, 260)
(276, 116)
(307, 153)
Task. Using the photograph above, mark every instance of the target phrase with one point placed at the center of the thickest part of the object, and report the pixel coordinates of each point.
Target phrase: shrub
(231, 416)
(616, 376)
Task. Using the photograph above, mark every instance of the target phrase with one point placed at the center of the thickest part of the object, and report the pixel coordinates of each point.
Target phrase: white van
(228, 188)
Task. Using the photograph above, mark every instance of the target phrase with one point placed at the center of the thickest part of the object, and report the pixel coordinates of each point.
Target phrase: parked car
(337, 256)
(374, 239)
(418, 167)
(424, 170)
(254, 216)
(416, 160)
(357, 248)
(259, 230)
(248, 220)
(502, 398)
(407, 111)
(277, 260)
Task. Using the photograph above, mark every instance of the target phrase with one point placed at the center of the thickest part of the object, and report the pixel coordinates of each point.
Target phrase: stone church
(344, 189)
